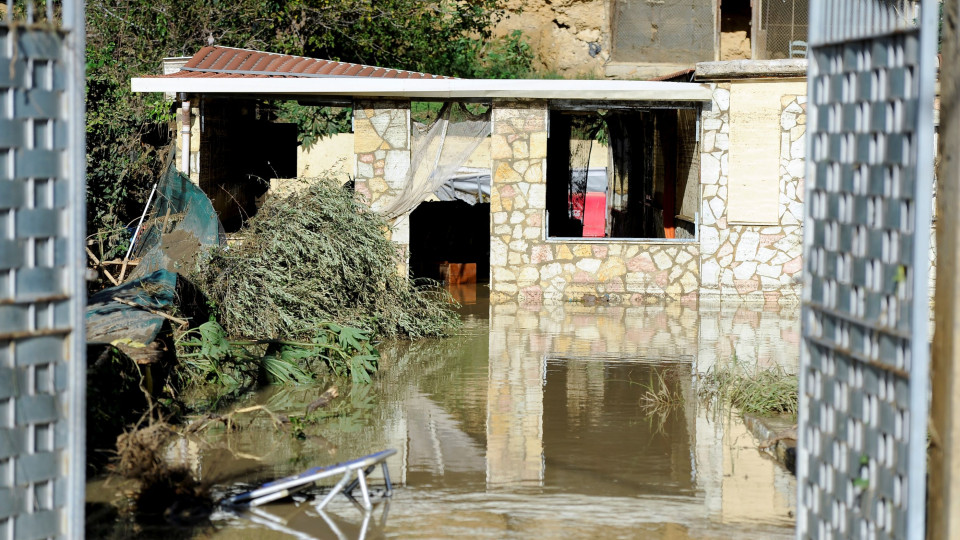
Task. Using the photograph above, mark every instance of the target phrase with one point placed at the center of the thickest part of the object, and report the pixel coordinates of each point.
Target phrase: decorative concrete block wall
(526, 266)
(755, 263)
(382, 147)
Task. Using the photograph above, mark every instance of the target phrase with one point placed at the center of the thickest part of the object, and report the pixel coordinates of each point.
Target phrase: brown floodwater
(533, 422)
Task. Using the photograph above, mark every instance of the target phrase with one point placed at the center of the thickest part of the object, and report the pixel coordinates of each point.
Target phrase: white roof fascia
(606, 90)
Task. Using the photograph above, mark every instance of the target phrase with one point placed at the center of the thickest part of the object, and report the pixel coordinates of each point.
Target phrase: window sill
(645, 241)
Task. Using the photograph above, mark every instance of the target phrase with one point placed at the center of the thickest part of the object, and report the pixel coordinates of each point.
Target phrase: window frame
(570, 106)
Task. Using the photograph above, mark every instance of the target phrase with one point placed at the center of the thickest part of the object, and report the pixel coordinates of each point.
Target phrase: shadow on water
(567, 421)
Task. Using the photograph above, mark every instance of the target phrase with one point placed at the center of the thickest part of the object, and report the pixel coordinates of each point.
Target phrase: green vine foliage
(128, 135)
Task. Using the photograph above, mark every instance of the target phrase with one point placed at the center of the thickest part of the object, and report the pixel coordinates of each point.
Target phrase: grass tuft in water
(765, 392)
(659, 395)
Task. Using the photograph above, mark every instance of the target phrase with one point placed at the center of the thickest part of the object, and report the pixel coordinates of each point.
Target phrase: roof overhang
(427, 89)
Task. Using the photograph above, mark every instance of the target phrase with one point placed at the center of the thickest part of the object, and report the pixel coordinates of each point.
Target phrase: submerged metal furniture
(356, 469)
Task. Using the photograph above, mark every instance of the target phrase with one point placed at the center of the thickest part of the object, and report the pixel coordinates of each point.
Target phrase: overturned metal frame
(357, 470)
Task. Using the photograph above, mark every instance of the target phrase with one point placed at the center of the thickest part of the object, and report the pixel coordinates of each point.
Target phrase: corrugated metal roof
(228, 62)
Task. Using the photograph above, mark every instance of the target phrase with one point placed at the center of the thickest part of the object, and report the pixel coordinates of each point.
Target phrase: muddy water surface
(535, 422)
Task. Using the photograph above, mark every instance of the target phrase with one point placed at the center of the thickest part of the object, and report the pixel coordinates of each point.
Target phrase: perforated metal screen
(865, 355)
(42, 372)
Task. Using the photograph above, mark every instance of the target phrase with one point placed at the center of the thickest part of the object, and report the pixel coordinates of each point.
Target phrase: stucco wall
(331, 155)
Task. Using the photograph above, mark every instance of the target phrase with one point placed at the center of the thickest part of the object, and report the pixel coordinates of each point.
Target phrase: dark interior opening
(735, 16)
(736, 32)
(449, 232)
(242, 150)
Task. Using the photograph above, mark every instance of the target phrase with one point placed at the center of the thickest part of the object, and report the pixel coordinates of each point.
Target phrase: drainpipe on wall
(185, 136)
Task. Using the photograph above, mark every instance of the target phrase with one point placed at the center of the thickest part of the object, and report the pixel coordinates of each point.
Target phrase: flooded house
(653, 202)
(620, 191)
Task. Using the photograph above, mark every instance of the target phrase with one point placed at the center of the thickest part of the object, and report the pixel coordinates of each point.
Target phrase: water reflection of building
(536, 410)
(560, 381)
(555, 373)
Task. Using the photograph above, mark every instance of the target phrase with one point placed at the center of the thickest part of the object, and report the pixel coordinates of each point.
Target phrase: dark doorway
(242, 150)
(735, 29)
(445, 232)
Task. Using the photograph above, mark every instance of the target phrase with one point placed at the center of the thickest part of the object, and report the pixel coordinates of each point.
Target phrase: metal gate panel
(865, 350)
(42, 292)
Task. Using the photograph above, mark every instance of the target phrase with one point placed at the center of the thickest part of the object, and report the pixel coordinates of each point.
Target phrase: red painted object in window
(595, 215)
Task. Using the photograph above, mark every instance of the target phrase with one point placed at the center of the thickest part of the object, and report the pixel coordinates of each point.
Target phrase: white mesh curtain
(439, 150)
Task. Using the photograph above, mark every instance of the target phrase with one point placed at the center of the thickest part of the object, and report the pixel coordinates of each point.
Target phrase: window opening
(630, 173)
(780, 28)
(735, 34)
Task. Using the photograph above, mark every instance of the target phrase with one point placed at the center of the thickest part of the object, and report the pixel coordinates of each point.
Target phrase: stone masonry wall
(758, 264)
(382, 148)
(525, 266)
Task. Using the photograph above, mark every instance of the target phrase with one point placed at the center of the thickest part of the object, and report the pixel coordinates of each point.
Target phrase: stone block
(710, 273)
(534, 174)
(498, 253)
(528, 275)
(380, 120)
(520, 149)
(550, 271)
(662, 260)
(365, 139)
(711, 124)
(504, 174)
(745, 270)
(610, 268)
(797, 167)
(499, 149)
(769, 271)
(589, 265)
(788, 121)
(721, 96)
(501, 274)
(717, 207)
(709, 240)
(747, 246)
(709, 169)
(395, 169)
(538, 145)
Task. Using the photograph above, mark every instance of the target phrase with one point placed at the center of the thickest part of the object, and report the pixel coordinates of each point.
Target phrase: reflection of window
(625, 173)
